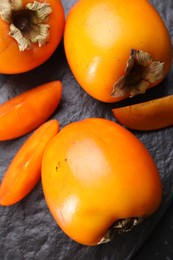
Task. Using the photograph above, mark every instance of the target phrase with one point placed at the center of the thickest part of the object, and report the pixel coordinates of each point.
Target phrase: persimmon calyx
(140, 72)
(126, 224)
(27, 23)
(122, 225)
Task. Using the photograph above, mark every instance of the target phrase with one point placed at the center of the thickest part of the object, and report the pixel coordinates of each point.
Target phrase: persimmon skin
(99, 36)
(24, 172)
(28, 110)
(90, 178)
(23, 61)
(150, 115)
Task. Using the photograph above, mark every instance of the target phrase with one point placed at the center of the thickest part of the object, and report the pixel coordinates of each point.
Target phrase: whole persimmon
(30, 31)
(97, 175)
(116, 49)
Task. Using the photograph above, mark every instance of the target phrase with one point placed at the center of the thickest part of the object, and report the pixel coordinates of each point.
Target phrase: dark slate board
(27, 229)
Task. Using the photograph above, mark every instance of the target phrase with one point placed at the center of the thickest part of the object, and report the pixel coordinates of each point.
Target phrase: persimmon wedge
(27, 111)
(151, 115)
(24, 171)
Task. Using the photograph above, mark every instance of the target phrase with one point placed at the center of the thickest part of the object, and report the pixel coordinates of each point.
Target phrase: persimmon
(28, 110)
(149, 115)
(116, 49)
(30, 31)
(97, 175)
(24, 171)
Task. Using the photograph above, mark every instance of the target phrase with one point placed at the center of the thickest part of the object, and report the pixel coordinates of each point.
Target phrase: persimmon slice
(24, 171)
(28, 110)
(150, 115)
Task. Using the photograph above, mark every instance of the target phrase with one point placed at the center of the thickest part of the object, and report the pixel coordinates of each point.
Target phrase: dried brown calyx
(27, 24)
(141, 71)
(122, 225)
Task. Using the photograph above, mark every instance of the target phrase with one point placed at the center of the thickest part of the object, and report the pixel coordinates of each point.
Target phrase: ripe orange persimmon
(116, 49)
(30, 31)
(96, 175)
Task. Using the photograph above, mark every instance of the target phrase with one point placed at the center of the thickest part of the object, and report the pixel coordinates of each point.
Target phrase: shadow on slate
(27, 229)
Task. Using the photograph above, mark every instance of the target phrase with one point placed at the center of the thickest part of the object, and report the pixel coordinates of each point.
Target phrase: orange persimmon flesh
(25, 112)
(24, 171)
(150, 115)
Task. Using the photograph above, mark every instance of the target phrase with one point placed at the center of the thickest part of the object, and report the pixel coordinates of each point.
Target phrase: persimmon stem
(140, 72)
(27, 24)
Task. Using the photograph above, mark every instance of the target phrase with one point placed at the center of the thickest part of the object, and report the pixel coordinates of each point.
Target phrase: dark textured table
(159, 245)
(28, 230)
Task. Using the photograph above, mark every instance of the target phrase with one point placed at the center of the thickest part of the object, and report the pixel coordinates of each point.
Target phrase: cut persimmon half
(150, 115)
